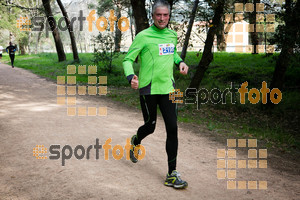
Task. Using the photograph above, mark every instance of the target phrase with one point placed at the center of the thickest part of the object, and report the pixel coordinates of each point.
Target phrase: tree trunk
(130, 16)
(70, 29)
(207, 56)
(254, 34)
(140, 15)
(171, 6)
(286, 53)
(29, 42)
(118, 34)
(189, 30)
(226, 32)
(221, 43)
(39, 38)
(22, 48)
(52, 23)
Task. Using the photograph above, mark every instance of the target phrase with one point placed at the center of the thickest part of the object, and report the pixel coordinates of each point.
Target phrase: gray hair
(160, 3)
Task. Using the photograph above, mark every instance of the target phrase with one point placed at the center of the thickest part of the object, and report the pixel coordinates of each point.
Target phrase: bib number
(166, 49)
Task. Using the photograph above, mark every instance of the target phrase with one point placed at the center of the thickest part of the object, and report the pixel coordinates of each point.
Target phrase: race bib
(166, 49)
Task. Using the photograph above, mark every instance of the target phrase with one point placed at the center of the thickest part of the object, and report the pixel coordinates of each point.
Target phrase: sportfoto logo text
(215, 96)
(66, 152)
(35, 24)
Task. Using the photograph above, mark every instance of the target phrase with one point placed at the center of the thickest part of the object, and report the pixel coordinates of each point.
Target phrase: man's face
(161, 17)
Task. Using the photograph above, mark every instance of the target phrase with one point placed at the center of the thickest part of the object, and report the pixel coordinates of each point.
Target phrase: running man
(156, 47)
(11, 51)
(1, 49)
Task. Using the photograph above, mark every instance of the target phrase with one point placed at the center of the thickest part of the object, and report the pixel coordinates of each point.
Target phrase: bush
(103, 51)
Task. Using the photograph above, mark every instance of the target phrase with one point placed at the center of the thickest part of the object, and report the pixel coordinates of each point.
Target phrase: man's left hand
(183, 68)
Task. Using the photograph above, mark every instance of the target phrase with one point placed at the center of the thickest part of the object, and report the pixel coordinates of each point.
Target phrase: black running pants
(169, 112)
(12, 58)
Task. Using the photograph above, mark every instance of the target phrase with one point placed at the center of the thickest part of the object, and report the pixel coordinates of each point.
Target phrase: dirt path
(29, 116)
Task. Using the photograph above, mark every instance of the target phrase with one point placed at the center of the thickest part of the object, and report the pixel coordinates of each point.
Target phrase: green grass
(277, 128)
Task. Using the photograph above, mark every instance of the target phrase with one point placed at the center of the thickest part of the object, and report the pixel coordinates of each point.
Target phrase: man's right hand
(135, 82)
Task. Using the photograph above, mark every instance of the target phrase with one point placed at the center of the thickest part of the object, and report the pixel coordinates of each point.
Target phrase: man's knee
(151, 126)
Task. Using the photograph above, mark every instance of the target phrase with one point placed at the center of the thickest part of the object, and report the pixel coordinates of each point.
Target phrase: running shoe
(132, 156)
(175, 181)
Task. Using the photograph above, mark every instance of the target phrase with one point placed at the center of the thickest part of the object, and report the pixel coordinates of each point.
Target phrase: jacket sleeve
(134, 50)
(177, 58)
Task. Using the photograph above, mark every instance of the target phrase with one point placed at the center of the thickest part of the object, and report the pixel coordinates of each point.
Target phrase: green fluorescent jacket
(157, 50)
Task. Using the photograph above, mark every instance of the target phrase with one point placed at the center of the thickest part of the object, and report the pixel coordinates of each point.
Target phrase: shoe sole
(176, 186)
(134, 160)
(131, 153)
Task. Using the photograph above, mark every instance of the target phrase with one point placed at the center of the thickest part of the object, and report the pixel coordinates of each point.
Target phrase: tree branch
(21, 7)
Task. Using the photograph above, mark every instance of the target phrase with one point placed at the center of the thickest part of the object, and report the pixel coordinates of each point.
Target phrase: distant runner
(11, 51)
